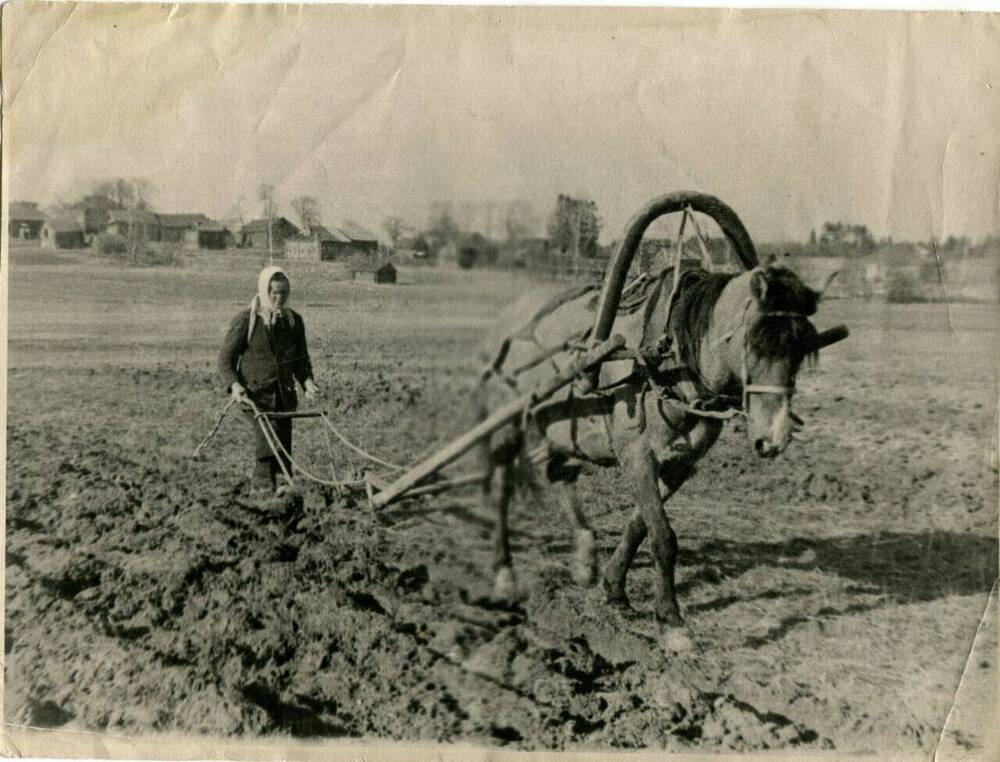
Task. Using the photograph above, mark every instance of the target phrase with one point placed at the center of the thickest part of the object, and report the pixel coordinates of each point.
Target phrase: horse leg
(496, 456)
(498, 473)
(563, 473)
(673, 471)
(498, 460)
(505, 584)
(617, 569)
(641, 464)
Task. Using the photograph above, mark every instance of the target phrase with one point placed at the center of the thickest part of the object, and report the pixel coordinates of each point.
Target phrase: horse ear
(758, 286)
(826, 284)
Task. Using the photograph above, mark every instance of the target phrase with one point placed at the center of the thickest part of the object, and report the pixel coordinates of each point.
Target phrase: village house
(360, 241)
(317, 246)
(254, 234)
(208, 235)
(332, 245)
(62, 234)
(134, 224)
(175, 227)
(413, 247)
(26, 220)
(373, 271)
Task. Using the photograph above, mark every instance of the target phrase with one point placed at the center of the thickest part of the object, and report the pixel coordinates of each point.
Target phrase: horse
(705, 341)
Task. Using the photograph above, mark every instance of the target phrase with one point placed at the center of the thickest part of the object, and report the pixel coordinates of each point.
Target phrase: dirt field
(833, 593)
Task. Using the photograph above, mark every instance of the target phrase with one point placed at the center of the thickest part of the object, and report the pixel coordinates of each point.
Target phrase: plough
(589, 349)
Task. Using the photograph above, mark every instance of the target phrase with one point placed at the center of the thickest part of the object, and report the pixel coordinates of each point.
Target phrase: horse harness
(656, 364)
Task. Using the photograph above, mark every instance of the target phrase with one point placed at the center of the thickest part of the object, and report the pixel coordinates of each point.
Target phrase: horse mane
(771, 336)
(691, 313)
(785, 335)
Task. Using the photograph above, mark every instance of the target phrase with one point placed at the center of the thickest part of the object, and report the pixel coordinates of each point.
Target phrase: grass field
(833, 593)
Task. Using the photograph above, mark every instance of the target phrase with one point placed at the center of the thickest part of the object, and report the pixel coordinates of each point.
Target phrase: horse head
(778, 338)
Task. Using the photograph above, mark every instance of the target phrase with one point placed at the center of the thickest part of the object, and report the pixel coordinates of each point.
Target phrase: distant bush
(904, 288)
(164, 257)
(111, 244)
(930, 271)
(142, 254)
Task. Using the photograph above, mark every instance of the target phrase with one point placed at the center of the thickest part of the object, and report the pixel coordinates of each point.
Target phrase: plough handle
(296, 414)
(495, 421)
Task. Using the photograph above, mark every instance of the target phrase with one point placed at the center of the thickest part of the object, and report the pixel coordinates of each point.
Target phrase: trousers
(267, 468)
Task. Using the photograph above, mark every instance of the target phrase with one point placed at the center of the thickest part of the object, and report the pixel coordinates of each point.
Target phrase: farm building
(318, 246)
(62, 234)
(417, 245)
(176, 227)
(332, 245)
(361, 241)
(140, 224)
(254, 233)
(26, 220)
(208, 235)
(353, 241)
(373, 272)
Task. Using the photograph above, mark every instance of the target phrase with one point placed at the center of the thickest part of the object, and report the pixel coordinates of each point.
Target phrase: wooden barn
(141, 224)
(333, 245)
(319, 246)
(177, 227)
(359, 240)
(373, 272)
(209, 234)
(63, 234)
(25, 220)
(254, 233)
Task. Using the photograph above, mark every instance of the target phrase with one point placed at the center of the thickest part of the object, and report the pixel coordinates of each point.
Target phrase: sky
(793, 118)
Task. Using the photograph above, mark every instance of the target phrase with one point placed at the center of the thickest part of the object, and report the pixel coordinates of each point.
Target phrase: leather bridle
(748, 388)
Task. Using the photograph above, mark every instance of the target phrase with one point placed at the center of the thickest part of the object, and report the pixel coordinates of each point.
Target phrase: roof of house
(211, 226)
(260, 226)
(325, 234)
(411, 242)
(337, 235)
(132, 215)
(181, 220)
(355, 232)
(27, 211)
(318, 233)
(362, 266)
(65, 226)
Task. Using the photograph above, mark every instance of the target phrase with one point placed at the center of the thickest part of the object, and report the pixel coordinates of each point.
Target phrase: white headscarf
(261, 303)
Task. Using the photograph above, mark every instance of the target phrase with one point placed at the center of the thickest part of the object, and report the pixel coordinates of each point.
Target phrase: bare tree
(441, 225)
(520, 221)
(574, 227)
(394, 227)
(237, 211)
(136, 201)
(266, 195)
(307, 209)
(133, 196)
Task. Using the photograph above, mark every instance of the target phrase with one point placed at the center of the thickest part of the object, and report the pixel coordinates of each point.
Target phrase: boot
(280, 484)
(262, 482)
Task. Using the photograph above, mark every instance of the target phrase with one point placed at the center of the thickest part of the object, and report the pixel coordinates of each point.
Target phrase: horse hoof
(584, 568)
(616, 599)
(505, 586)
(677, 641)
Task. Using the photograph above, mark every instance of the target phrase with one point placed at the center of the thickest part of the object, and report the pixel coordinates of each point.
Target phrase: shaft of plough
(496, 420)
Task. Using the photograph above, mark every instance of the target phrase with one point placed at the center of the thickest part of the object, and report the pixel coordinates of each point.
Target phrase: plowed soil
(833, 594)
